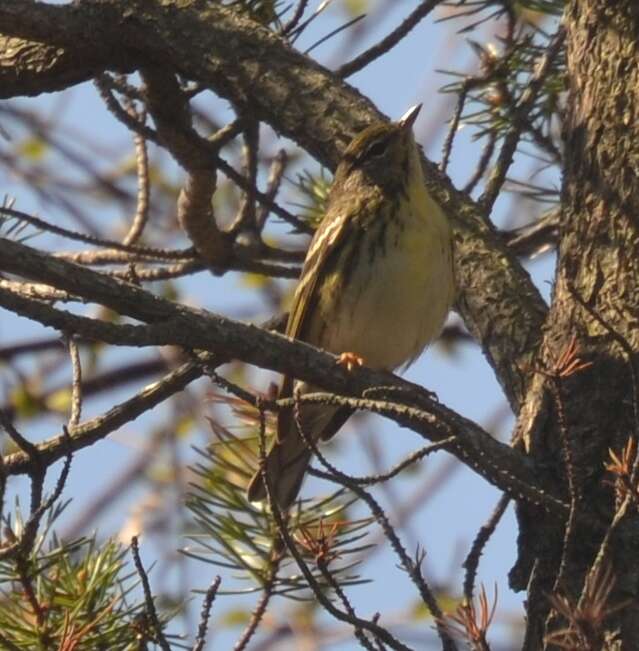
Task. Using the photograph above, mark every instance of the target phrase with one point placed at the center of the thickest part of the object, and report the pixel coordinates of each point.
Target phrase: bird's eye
(377, 149)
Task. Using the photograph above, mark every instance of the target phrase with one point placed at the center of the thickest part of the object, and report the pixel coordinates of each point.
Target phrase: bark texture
(596, 300)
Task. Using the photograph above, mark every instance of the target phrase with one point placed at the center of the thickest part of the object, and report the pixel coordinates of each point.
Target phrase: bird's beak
(408, 119)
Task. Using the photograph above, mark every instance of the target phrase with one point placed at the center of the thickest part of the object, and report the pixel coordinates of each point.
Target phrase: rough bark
(596, 299)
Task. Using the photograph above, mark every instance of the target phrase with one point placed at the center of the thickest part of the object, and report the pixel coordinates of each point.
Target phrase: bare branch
(388, 42)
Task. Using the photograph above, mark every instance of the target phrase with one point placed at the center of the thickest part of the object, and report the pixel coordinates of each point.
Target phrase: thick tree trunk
(596, 300)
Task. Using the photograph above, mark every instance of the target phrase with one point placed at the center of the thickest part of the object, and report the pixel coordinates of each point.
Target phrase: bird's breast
(391, 304)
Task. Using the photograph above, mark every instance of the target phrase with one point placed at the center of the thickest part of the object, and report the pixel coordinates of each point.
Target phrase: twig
(22, 546)
(24, 444)
(213, 146)
(289, 26)
(389, 41)
(143, 251)
(412, 569)
(483, 536)
(454, 125)
(482, 164)
(26, 582)
(534, 238)
(409, 460)
(463, 448)
(564, 365)
(321, 597)
(173, 118)
(141, 216)
(272, 186)
(520, 113)
(87, 433)
(205, 614)
(262, 604)
(76, 383)
(29, 346)
(274, 563)
(334, 32)
(322, 564)
(297, 32)
(573, 489)
(104, 84)
(226, 133)
(148, 596)
(246, 219)
(196, 266)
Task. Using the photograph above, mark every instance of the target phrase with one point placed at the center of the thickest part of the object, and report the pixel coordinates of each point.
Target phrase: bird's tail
(289, 456)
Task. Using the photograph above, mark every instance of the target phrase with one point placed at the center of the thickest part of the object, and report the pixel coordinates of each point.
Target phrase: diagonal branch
(168, 323)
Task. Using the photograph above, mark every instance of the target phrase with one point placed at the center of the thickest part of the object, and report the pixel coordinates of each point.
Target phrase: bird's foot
(350, 361)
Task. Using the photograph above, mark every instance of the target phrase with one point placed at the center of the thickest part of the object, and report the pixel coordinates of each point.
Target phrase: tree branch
(254, 68)
(168, 323)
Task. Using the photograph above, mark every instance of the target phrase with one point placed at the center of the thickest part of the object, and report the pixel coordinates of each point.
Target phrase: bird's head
(383, 154)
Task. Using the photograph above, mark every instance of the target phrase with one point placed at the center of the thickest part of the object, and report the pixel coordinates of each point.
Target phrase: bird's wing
(324, 243)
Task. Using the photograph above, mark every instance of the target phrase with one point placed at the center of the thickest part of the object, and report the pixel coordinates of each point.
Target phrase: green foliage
(69, 595)
(491, 96)
(315, 191)
(235, 534)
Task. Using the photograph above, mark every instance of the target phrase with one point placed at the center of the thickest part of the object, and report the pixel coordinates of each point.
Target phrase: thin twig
(389, 41)
(290, 25)
(322, 564)
(412, 569)
(144, 251)
(262, 604)
(24, 444)
(334, 32)
(148, 596)
(87, 433)
(141, 216)
(76, 382)
(213, 151)
(272, 186)
(205, 614)
(482, 164)
(520, 115)
(409, 460)
(573, 489)
(104, 83)
(460, 447)
(454, 125)
(483, 536)
(246, 219)
(317, 589)
(535, 238)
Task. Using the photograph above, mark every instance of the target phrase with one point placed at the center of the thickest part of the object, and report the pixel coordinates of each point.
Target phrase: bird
(376, 286)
